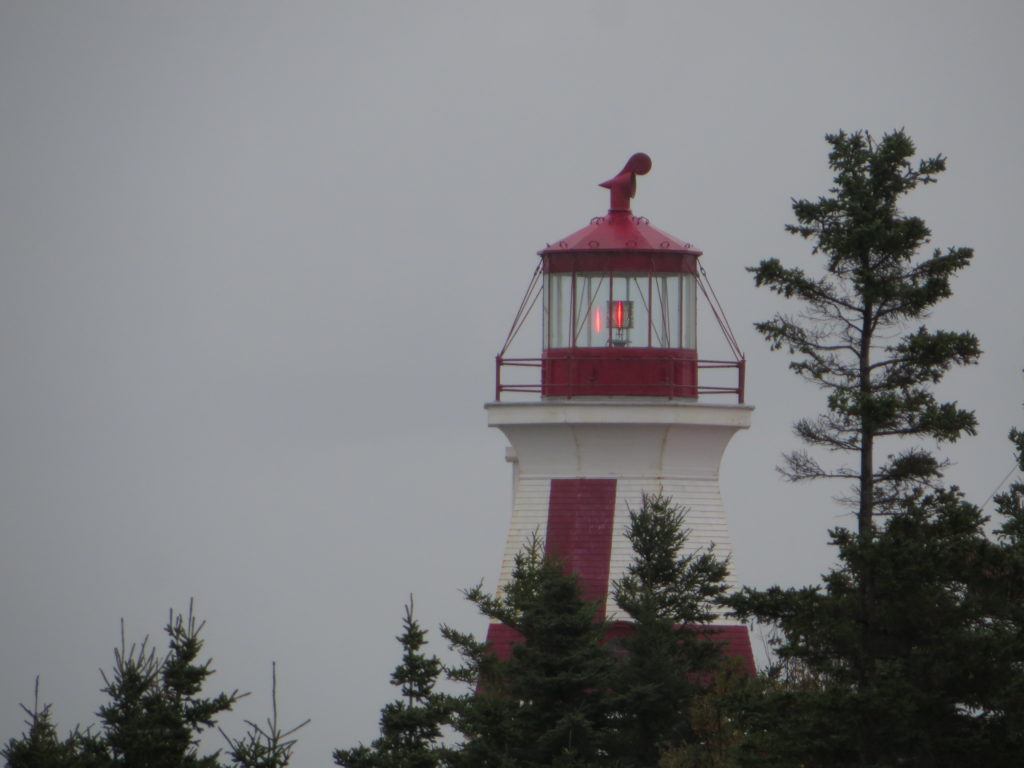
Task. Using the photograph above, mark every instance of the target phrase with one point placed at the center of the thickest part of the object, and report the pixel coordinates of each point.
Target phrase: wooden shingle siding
(579, 467)
(705, 519)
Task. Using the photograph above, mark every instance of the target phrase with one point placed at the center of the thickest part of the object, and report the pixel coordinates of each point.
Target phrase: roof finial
(623, 186)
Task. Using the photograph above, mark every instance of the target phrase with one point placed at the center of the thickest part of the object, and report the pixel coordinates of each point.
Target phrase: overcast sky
(257, 259)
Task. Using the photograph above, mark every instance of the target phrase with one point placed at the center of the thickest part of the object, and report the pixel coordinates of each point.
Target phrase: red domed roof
(620, 231)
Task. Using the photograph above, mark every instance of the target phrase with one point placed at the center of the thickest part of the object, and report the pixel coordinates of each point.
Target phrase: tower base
(580, 466)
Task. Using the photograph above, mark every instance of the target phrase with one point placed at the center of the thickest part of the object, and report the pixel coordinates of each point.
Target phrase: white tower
(620, 411)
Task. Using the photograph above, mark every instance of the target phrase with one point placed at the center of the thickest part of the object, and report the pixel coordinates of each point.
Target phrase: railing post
(742, 377)
(497, 379)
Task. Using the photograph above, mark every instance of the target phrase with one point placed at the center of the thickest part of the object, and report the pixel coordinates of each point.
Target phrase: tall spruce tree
(670, 657)
(156, 715)
(40, 746)
(846, 337)
(939, 683)
(411, 727)
(267, 746)
(909, 653)
(548, 703)
(154, 718)
(1009, 596)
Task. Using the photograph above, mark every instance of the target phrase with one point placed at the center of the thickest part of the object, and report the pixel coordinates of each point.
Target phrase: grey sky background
(257, 259)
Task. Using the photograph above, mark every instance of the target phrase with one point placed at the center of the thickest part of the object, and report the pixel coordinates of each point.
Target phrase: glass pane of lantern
(557, 310)
(689, 314)
(591, 322)
(657, 311)
(641, 287)
(666, 320)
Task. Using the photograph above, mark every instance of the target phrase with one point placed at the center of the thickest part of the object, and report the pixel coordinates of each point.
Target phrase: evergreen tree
(909, 653)
(671, 659)
(41, 747)
(1009, 595)
(943, 675)
(548, 703)
(264, 747)
(718, 736)
(410, 727)
(484, 717)
(155, 715)
(846, 336)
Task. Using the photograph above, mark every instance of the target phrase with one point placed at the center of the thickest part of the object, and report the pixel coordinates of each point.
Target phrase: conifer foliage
(938, 682)
(547, 704)
(42, 747)
(572, 693)
(268, 746)
(1009, 596)
(411, 727)
(909, 653)
(665, 580)
(670, 660)
(155, 715)
(846, 338)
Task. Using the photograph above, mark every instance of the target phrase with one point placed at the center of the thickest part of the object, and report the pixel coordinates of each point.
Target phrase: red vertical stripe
(581, 516)
(581, 520)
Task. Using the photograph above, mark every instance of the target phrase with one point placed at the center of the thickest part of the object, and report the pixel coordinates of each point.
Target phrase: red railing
(569, 390)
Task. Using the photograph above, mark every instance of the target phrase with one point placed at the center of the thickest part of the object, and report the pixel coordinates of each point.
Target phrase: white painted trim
(617, 412)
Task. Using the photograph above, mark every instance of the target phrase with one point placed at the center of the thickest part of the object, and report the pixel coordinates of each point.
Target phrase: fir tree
(41, 747)
(264, 747)
(485, 716)
(1009, 596)
(718, 736)
(156, 715)
(547, 705)
(939, 683)
(909, 653)
(846, 337)
(1010, 503)
(410, 727)
(671, 658)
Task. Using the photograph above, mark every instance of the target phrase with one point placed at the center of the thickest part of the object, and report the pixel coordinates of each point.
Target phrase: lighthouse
(616, 405)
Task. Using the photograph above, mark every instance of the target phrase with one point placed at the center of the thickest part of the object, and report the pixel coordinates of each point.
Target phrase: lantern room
(619, 302)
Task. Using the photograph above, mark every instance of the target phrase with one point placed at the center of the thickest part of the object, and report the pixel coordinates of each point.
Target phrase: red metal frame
(658, 372)
(619, 245)
(618, 261)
